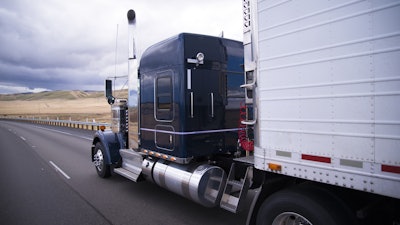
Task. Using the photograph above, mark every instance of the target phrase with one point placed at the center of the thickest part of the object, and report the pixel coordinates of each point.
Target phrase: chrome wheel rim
(98, 160)
(290, 218)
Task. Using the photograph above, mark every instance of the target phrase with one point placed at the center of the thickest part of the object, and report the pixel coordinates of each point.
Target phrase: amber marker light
(275, 167)
(102, 127)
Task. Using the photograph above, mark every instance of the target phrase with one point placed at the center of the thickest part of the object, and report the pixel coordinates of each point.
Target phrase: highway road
(47, 177)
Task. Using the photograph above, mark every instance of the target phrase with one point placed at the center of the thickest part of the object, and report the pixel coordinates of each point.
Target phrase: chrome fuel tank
(201, 183)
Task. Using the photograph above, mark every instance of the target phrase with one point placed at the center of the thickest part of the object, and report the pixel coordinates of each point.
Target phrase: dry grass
(64, 105)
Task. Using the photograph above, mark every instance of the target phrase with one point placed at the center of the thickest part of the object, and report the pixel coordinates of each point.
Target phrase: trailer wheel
(302, 206)
(103, 170)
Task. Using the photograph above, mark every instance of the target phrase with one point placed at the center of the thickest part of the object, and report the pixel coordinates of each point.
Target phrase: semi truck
(297, 124)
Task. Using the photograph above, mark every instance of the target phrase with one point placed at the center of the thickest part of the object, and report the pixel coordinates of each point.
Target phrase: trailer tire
(102, 169)
(312, 207)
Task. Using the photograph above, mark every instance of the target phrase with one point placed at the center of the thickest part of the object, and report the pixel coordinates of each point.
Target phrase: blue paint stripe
(192, 132)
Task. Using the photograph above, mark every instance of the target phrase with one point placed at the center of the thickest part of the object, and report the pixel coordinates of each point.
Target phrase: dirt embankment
(63, 105)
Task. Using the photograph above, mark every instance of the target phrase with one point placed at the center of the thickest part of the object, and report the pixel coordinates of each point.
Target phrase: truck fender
(266, 188)
(252, 214)
(112, 143)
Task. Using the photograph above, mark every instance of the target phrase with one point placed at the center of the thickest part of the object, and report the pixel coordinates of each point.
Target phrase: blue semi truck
(297, 124)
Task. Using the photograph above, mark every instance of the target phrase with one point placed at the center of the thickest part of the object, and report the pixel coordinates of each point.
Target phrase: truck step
(235, 190)
(236, 185)
(229, 203)
(131, 164)
(127, 174)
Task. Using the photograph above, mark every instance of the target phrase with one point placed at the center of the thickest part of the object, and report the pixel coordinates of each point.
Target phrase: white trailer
(323, 78)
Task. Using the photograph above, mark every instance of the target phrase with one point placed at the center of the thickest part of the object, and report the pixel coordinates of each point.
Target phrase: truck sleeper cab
(190, 96)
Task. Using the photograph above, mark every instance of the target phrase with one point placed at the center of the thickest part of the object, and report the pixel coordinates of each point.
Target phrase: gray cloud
(70, 45)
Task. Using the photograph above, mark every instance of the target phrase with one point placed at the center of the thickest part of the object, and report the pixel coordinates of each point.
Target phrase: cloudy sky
(73, 44)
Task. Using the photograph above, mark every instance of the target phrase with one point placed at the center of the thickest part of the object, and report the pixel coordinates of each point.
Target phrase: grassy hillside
(67, 95)
(64, 95)
(74, 105)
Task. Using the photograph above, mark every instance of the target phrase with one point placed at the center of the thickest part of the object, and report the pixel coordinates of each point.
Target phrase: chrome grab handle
(191, 104)
(253, 121)
(250, 74)
(249, 86)
(252, 84)
(249, 122)
(212, 104)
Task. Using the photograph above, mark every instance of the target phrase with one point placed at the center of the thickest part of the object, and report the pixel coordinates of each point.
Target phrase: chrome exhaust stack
(131, 15)
(134, 82)
(131, 158)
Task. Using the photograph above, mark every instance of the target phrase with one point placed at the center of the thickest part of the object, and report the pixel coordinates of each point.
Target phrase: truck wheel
(103, 170)
(302, 206)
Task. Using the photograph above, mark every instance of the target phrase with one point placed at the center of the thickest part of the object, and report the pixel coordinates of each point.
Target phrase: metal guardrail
(64, 123)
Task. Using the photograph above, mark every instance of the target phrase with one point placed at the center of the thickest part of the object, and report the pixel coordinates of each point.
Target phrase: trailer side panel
(328, 92)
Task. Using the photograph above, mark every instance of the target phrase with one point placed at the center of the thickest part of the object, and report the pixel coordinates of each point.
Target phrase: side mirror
(108, 92)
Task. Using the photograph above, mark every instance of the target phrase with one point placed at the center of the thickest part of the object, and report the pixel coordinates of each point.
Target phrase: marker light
(275, 167)
(102, 127)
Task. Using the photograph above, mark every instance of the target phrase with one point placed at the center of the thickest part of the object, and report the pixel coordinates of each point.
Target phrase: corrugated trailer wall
(328, 91)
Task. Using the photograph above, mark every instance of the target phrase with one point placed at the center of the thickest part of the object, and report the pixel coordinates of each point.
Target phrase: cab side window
(164, 98)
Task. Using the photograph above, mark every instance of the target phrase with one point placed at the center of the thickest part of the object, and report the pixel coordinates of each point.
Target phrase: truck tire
(102, 169)
(302, 206)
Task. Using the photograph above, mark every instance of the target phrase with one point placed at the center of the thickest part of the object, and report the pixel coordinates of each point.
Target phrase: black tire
(102, 169)
(307, 206)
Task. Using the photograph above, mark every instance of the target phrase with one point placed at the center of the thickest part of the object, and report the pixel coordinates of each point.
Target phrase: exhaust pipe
(131, 25)
(134, 89)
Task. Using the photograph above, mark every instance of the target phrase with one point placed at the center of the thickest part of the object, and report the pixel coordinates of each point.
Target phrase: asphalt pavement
(31, 191)
(47, 177)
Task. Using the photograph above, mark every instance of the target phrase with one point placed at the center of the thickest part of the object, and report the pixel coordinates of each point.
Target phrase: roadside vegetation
(62, 105)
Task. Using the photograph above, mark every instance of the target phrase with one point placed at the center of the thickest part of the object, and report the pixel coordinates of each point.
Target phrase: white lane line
(62, 132)
(22, 138)
(59, 170)
(86, 138)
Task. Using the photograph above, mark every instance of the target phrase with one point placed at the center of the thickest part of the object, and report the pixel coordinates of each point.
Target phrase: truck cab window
(163, 99)
(164, 93)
